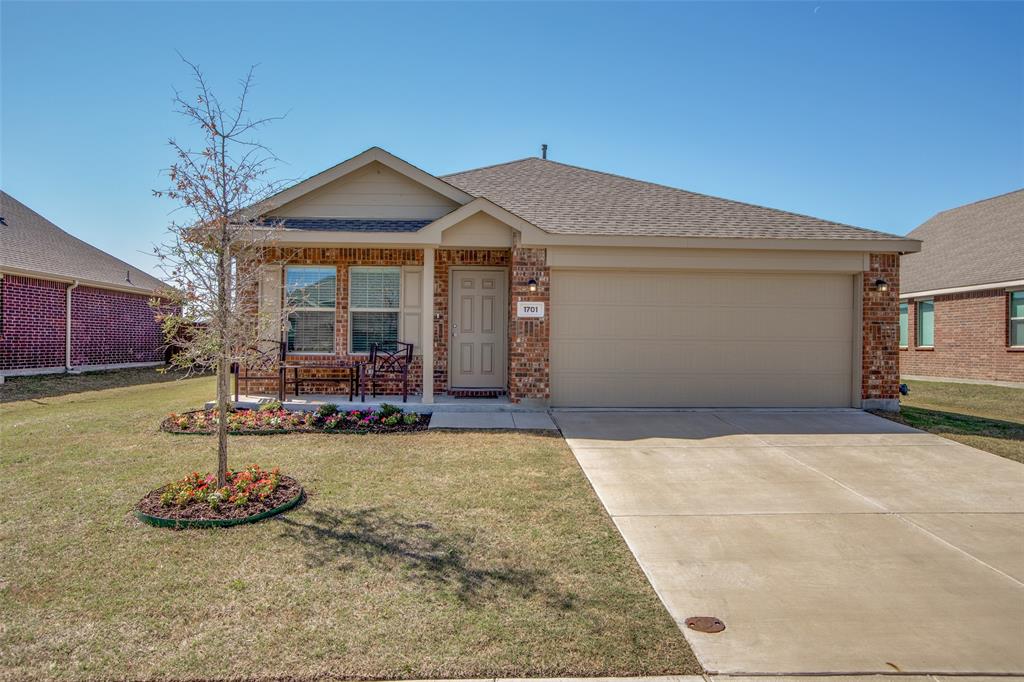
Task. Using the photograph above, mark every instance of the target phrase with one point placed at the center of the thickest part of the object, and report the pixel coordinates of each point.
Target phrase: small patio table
(351, 376)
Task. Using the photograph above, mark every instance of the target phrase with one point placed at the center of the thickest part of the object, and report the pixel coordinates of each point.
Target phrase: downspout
(67, 327)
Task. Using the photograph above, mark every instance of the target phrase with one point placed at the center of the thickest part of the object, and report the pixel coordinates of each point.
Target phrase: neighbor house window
(374, 299)
(1017, 318)
(904, 324)
(926, 323)
(312, 295)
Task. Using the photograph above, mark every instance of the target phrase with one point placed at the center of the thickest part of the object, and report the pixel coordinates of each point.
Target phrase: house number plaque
(529, 309)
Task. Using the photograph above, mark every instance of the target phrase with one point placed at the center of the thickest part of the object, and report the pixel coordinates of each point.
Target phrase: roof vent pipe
(543, 151)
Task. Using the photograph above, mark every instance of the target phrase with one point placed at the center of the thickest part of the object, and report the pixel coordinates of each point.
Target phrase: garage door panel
(701, 339)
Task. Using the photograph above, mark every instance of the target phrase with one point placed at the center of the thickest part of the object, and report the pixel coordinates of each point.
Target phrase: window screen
(312, 296)
(374, 300)
(904, 325)
(1017, 318)
(926, 323)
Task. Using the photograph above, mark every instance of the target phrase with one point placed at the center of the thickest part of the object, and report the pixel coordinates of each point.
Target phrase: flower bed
(272, 418)
(250, 494)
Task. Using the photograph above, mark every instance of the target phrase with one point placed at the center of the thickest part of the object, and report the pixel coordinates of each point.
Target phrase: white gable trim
(355, 163)
(528, 232)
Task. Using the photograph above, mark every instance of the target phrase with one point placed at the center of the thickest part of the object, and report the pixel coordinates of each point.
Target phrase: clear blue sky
(876, 114)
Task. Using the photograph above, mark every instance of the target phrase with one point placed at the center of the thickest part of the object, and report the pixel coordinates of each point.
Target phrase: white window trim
(1011, 319)
(309, 309)
(917, 322)
(365, 268)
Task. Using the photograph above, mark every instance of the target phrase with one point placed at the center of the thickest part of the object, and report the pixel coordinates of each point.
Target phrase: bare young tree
(213, 259)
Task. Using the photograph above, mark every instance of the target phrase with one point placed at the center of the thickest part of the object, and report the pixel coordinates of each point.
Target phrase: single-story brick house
(962, 300)
(66, 305)
(563, 286)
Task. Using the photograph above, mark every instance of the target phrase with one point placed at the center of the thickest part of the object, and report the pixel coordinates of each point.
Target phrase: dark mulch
(286, 490)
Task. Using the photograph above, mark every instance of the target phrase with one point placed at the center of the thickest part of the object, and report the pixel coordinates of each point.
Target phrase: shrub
(390, 421)
(327, 410)
(385, 410)
(410, 418)
(272, 406)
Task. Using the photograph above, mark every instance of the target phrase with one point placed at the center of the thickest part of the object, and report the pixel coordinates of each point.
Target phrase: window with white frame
(374, 307)
(1017, 319)
(312, 296)
(926, 324)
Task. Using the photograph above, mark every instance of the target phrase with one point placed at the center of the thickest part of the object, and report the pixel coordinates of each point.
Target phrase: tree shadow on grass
(390, 542)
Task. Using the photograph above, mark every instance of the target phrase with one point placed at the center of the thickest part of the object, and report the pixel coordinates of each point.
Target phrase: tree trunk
(223, 396)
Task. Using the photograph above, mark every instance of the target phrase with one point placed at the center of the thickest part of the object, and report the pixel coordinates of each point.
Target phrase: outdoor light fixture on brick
(532, 284)
(881, 285)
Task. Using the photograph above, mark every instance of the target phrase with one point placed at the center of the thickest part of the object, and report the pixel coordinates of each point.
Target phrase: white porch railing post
(427, 318)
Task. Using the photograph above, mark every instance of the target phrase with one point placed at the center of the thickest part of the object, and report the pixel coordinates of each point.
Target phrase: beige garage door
(701, 339)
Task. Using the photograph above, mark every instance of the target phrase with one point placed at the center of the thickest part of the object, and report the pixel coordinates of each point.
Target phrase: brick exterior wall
(32, 319)
(113, 327)
(529, 374)
(528, 339)
(343, 259)
(107, 327)
(971, 339)
(880, 364)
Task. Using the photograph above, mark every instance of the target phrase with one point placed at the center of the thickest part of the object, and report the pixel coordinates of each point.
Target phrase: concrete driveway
(828, 541)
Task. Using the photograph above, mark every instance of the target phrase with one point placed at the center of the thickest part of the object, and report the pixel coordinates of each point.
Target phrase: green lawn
(989, 418)
(427, 555)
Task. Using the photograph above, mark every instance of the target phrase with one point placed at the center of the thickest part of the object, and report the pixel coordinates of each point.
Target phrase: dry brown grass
(416, 556)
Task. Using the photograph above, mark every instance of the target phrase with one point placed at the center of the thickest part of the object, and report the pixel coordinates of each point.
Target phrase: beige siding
(374, 191)
(478, 231)
(708, 339)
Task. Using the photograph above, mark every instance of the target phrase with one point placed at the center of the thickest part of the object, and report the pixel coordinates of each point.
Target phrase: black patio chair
(261, 365)
(384, 363)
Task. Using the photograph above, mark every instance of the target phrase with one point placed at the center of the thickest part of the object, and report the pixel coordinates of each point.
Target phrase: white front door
(477, 336)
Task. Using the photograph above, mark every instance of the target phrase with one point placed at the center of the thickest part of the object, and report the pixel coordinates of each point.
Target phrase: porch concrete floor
(442, 403)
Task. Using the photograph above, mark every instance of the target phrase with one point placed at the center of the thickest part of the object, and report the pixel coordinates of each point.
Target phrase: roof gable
(979, 243)
(373, 184)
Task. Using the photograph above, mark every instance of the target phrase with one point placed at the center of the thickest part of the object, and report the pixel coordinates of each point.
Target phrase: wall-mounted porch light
(532, 284)
(881, 285)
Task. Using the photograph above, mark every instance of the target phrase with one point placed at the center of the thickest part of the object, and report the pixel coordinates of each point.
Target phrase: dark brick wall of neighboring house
(113, 327)
(971, 339)
(107, 327)
(32, 319)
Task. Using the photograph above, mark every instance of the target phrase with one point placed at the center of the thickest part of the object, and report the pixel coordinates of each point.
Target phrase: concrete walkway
(516, 421)
(828, 541)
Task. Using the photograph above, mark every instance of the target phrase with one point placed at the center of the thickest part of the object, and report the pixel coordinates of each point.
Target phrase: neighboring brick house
(563, 286)
(45, 273)
(962, 297)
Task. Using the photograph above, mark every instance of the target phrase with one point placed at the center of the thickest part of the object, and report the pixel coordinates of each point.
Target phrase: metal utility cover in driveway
(827, 541)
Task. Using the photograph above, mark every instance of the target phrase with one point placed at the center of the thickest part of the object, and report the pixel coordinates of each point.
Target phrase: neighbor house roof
(563, 199)
(980, 243)
(31, 244)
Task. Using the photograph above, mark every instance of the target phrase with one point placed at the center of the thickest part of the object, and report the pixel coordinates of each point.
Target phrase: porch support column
(427, 334)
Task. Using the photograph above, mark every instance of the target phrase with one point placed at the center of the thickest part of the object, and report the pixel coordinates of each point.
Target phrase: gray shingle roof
(349, 224)
(980, 243)
(31, 242)
(564, 199)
